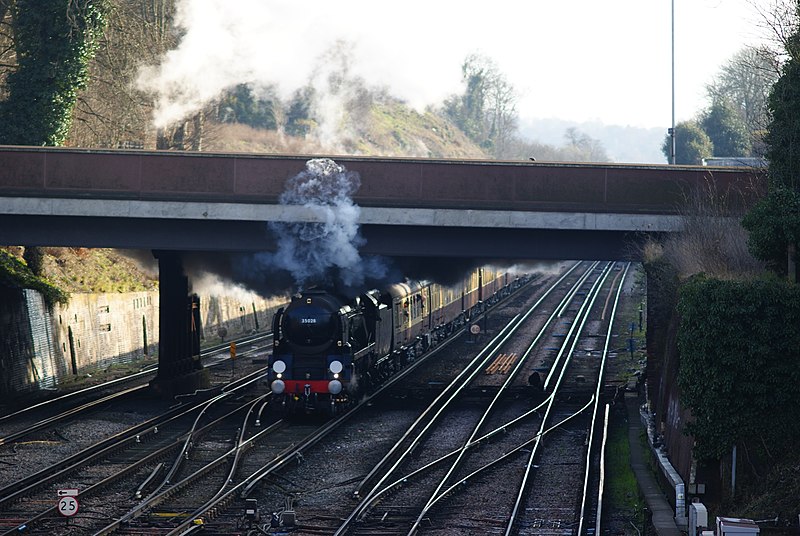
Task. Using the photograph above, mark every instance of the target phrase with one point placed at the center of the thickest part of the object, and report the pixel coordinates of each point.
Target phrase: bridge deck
(194, 201)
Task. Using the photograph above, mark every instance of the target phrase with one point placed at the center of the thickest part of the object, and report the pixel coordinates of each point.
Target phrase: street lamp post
(672, 129)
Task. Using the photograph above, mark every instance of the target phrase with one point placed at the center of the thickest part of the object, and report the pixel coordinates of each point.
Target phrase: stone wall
(28, 361)
(236, 316)
(98, 330)
(40, 348)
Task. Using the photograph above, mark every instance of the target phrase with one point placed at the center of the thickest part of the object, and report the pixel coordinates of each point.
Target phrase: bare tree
(8, 58)
(486, 111)
(745, 82)
(111, 111)
(779, 21)
(583, 148)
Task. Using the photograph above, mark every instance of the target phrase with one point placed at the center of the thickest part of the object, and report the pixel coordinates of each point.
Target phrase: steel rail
(44, 423)
(573, 328)
(581, 319)
(391, 461)
(446, 392)
(94, 452)
(601, 373)
(599, 517)
(515, 450)
(246, 486)
(557, 312)
(162, 492)
(97, 486)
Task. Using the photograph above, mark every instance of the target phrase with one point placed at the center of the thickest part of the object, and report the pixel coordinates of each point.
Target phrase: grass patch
(96, 270)
(621, 488)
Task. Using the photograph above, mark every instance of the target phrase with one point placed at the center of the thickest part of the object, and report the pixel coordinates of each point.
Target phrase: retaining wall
(39, 348)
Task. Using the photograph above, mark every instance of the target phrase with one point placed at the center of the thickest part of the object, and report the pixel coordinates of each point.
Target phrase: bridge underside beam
(390, 240)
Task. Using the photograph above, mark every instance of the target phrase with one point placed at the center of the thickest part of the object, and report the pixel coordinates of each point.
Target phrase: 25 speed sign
(68, 506)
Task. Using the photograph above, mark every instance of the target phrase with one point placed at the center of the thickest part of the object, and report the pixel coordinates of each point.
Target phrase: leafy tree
(34, 258)
(54, 42)
(240, 105)
(692, 144)
(486, 111)
(298, 116)
(725, 129)
(773, 224)
(783, 136)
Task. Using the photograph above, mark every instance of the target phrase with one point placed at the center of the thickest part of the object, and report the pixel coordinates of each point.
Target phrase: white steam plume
(283, 44)
(325, 252)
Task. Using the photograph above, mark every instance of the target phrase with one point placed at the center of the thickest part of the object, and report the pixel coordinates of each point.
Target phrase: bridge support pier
(179, 368)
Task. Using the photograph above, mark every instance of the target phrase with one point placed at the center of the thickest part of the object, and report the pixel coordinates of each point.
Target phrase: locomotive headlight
(336, 376)
(334, 387)
(336, 367)
(279, 366)
(278, 387)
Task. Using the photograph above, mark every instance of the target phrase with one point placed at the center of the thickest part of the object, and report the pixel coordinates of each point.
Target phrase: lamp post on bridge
(672, 128)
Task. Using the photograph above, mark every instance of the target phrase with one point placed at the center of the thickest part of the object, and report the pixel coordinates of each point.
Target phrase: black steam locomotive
(329, 350)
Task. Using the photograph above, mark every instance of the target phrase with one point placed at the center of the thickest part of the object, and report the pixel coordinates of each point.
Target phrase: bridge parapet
(385, 182)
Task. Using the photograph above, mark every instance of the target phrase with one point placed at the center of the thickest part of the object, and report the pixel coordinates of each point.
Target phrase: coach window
(399, 314)
(417, 306)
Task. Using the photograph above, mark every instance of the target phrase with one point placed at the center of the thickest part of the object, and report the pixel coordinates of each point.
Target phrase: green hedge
(739, 345)
(16, 274)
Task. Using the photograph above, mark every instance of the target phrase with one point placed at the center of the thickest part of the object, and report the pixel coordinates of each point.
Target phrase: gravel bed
(23, 458)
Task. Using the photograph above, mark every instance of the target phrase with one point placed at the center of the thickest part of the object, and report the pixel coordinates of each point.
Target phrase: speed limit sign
(68, 506)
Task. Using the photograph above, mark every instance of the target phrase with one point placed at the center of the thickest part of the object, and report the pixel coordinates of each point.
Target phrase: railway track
(454, 469)
(45, 448)
(458, 475)
(110, 466)
(236, 462)
(30, 420)
(257, 462)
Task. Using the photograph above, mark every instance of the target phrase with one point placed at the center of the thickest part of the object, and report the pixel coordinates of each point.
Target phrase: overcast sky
(578, 60)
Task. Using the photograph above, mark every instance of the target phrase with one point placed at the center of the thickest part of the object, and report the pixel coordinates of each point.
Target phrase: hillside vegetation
(388, 129)
(63, 271)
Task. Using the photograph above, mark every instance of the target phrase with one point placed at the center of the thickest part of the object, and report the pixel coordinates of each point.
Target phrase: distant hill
(622, 144)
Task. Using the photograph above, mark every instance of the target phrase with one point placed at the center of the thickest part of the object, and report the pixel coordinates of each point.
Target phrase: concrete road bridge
(172, 202)
(408, 207)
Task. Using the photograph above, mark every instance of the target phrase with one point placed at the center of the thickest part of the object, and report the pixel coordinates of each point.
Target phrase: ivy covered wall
(739, 372)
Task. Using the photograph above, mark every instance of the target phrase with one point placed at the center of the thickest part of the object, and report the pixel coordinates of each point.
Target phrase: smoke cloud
(319, 253)
(286, 45)
(325, 252)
